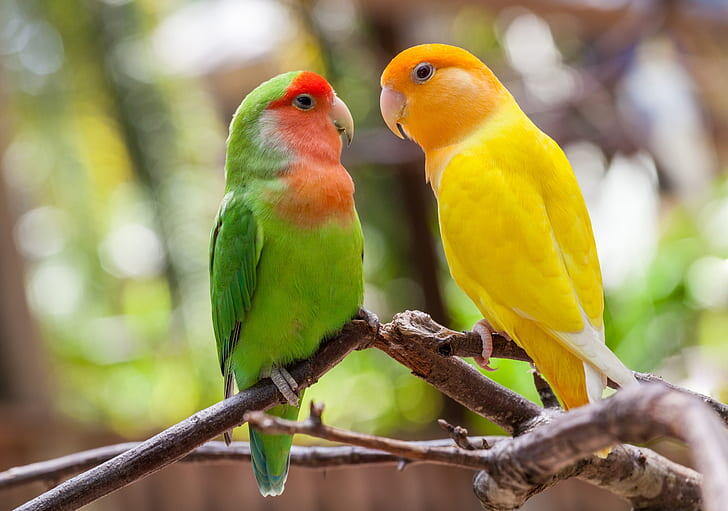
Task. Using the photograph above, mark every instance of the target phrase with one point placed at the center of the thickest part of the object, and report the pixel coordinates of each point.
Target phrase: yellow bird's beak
(341, 116)
(392, 104)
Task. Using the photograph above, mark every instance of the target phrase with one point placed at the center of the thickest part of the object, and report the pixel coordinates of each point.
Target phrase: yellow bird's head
(436, 94)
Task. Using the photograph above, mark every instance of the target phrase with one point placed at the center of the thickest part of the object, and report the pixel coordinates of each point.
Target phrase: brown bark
(314, 457)
(419, 326)
(175, 442)
(549, 445)
(512, 470)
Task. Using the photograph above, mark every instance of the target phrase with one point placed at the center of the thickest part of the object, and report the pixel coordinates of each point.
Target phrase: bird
(286, 247)
(514, 225)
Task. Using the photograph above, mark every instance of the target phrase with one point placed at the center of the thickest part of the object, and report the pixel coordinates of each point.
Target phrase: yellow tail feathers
(561, 368)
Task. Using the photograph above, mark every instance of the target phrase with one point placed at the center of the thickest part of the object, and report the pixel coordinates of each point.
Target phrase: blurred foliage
(115, 170)
(681, 300)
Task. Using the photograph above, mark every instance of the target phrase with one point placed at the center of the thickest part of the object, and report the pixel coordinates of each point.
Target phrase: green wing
(235, 247)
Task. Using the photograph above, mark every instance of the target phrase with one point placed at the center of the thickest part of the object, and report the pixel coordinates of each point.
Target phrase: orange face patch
(317, 195)
(450, 105)
(318, 189)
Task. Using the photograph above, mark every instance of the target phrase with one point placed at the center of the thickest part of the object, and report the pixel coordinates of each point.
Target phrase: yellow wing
(518, 237)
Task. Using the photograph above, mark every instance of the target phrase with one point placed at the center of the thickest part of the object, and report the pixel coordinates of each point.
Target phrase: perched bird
(515, 229)
(286, 248)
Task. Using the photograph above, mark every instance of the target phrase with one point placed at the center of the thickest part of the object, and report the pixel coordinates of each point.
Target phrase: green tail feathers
(270, 454)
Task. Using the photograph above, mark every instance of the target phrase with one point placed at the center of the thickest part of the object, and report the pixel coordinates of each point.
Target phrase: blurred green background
(113, 118)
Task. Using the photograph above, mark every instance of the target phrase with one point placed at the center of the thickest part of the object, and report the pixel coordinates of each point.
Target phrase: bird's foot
(286, 385)
(485, 331)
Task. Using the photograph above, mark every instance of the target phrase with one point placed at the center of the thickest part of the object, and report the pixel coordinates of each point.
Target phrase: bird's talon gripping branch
(285, 384)
(485, 331)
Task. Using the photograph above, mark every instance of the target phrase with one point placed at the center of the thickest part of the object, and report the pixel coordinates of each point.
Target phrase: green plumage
(277, 289)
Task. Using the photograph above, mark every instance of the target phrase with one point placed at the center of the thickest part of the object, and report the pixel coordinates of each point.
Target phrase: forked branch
(548, 446)
(514, 469)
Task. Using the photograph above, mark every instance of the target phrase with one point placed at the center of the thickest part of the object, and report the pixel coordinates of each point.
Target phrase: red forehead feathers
(305, 83)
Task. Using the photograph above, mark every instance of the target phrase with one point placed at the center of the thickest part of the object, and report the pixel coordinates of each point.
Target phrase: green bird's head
(291, 116)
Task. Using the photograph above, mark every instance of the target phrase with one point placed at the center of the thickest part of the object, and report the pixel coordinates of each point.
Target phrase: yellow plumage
(514, 225)
(520, 253)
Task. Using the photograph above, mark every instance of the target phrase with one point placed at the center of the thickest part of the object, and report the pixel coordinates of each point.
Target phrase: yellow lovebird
(514, 225)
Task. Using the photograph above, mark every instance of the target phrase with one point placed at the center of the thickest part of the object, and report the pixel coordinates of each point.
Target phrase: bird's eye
(304, 102)
(423, 72)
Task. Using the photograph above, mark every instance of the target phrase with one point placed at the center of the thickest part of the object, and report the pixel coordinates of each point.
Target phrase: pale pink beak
(392, 104)
(341, 116)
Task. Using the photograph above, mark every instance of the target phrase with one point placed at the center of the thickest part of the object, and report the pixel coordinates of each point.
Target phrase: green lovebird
(286, 249)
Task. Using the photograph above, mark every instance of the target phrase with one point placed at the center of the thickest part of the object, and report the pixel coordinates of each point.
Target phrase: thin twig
(448, 455)
(313, 457)
(515, 468)
(459, 435)
(545, 392)
(720, 408)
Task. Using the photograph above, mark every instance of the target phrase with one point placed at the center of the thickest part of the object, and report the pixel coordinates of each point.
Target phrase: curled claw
(485, 331)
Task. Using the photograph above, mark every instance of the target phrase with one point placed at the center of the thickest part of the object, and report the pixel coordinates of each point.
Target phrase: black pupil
(423, 71)
(304, 101)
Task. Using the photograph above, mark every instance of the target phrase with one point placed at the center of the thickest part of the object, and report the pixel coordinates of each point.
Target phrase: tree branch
(419, 326)
(632, 415)
(649, 481)
(178, 440)
(414, 340)
(450, 343)
(313, 457)
(514, 469)
(409, 339)
(720, 408)
(448, 455)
